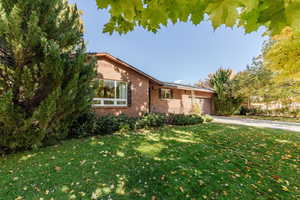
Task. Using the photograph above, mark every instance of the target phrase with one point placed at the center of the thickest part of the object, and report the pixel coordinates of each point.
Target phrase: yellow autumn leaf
(284, 188)
(181, 189)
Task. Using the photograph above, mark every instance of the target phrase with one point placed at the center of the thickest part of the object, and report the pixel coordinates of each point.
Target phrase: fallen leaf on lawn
(287, 182)
(279, 181)
(286, 157)
(82, 194)
(201, 182)
(275, 177)
(65, 188)
(82, 162)
(153, 198)
(96, 194)
(19, 198)
(37, 189)
(284, 188)
(181, 189)
(57, 168)
(247, 168)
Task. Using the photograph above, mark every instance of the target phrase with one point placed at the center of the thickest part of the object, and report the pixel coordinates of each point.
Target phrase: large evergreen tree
(44, 74)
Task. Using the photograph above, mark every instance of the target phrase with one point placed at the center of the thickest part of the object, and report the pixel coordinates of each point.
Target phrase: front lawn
(209, 161)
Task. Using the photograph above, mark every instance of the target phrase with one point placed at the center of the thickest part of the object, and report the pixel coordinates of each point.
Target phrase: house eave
(190, 88)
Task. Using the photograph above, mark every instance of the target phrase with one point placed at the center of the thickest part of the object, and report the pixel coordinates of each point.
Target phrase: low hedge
(183, 120)
(149, 120)
(281, 112)
(89, 124)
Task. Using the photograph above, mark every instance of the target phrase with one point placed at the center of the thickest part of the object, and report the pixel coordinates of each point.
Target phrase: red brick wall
(107, 69)
(180, 103)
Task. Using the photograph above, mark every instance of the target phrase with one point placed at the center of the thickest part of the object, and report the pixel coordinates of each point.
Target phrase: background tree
(225, 101)
(259, 84)
(153, 14)
(44, 74)
(203, 83)
(253, 80)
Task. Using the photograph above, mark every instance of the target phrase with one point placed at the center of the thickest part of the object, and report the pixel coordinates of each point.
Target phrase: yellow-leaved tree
(283, 56)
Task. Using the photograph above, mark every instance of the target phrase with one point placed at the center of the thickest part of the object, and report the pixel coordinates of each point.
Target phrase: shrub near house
(90, 124)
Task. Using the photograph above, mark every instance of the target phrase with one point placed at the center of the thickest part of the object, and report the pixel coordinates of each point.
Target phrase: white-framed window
(166, 93)
(111, 93)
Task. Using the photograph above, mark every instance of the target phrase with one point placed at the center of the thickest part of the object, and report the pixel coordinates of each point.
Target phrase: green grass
(209, 161)
(283, 119)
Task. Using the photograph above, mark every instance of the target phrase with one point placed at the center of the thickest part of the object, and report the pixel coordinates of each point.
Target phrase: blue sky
(181, 52)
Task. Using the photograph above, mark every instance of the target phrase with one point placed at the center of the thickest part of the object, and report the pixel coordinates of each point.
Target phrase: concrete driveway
(259, 123)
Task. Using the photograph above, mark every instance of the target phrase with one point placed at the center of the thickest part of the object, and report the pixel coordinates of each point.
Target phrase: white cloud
(183, 82)
(179, 81)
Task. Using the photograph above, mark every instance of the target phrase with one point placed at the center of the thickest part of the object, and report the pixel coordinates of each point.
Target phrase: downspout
(149, 99)
(193, 100)
(193, 96)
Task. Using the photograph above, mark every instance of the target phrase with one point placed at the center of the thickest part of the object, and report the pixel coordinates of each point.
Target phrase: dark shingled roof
(187, 87)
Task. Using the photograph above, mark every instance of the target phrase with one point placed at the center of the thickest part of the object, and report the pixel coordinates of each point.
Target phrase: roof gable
(125, 64)
(161, 83)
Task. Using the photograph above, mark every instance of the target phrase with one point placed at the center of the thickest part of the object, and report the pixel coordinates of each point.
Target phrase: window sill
(110, 107)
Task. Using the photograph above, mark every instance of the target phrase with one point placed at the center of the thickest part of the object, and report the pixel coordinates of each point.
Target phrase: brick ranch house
(125, 89)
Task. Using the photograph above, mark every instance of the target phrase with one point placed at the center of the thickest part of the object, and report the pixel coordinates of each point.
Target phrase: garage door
(204, 104)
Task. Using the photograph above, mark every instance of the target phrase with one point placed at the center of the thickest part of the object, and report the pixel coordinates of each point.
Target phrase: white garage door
(204, 104)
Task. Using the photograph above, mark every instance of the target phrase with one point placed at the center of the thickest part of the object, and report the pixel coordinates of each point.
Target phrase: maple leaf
(223, 12)
(292, 11)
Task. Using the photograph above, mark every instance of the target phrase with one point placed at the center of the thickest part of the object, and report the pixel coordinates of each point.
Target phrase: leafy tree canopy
(153, 14)
(283, 56)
